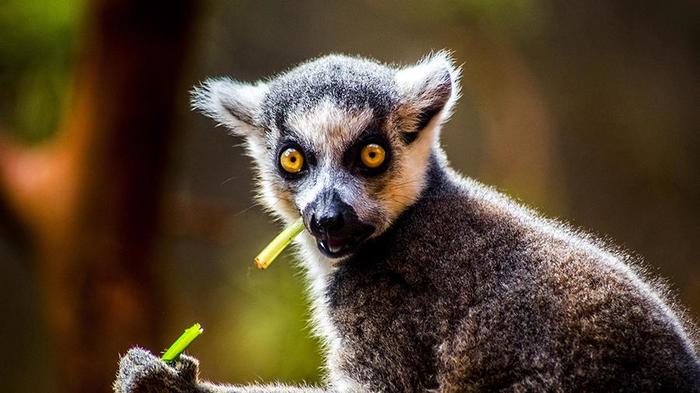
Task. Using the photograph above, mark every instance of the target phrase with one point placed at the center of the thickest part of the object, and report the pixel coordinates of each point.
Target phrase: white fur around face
(330, 130)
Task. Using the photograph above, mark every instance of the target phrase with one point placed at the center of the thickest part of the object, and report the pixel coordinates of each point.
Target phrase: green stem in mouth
(278, 244)
(182, 342)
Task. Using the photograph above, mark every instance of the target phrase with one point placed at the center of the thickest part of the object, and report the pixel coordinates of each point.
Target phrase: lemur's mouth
(337, 246)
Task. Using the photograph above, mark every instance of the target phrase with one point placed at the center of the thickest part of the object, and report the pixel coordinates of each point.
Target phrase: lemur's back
(470, 292)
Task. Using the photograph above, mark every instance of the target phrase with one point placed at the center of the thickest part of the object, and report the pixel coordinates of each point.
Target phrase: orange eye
(292, 160)
(372, 155)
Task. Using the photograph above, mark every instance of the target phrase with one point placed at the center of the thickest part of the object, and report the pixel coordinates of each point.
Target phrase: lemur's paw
(142, 372)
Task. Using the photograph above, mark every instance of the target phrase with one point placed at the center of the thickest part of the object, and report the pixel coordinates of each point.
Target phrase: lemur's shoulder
(472, 222)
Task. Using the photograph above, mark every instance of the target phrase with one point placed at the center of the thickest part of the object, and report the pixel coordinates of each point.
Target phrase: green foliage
(269, 333)
(36, 55)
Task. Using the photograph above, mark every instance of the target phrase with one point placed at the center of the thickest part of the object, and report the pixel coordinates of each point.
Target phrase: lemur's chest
(383, 324)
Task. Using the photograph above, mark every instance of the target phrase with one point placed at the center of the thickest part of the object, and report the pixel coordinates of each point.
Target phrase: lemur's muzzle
(335, 225)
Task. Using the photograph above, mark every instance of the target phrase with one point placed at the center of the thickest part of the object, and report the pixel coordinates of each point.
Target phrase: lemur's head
(342, 141)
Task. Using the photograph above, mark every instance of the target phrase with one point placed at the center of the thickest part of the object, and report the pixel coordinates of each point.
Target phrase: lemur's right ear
(236, 105)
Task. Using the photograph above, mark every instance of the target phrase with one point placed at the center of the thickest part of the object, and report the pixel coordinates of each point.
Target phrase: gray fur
(351, 84)
(462, 289)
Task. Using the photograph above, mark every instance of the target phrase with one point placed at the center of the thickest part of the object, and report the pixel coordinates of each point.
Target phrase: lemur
(422, 280)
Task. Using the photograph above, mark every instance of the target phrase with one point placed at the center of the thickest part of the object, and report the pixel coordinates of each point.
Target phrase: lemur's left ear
(236, 105)
(427, 92)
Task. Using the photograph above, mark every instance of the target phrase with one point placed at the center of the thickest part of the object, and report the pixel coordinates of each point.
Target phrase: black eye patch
(351, 157)
(308, 156)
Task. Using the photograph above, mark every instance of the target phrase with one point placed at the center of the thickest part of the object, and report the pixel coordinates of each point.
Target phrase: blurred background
(125, 218)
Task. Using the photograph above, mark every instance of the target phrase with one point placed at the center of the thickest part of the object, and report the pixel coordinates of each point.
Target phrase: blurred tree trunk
(90, 197)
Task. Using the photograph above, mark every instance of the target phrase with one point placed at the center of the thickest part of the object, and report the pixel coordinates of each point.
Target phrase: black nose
(329, 214)
(329, 221)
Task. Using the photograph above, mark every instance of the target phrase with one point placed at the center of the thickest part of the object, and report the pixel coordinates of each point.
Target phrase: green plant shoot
(278, 244)
(182, 342)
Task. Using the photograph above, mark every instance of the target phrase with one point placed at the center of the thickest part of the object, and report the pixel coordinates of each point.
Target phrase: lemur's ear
(427, 92)
(234, 104)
